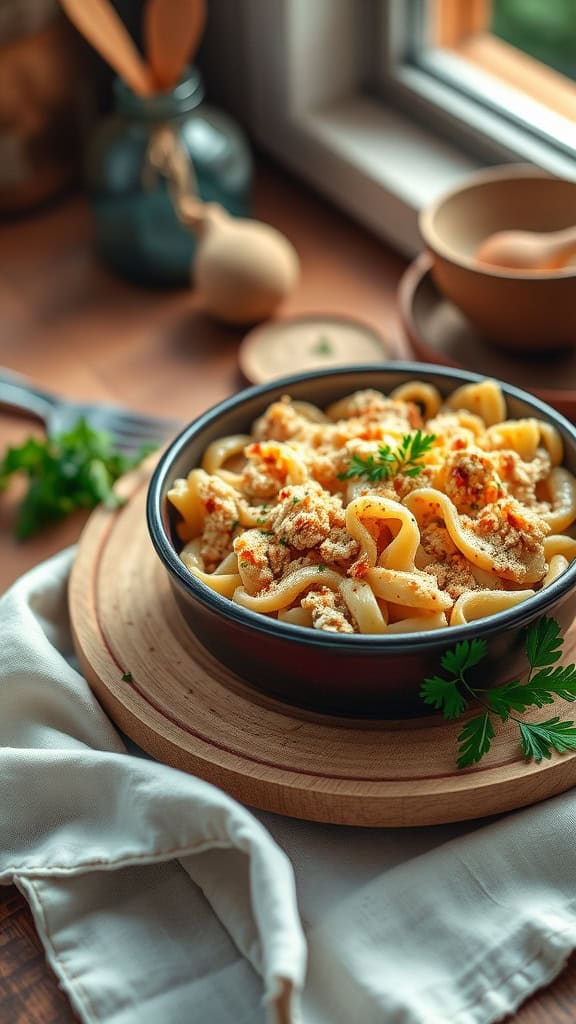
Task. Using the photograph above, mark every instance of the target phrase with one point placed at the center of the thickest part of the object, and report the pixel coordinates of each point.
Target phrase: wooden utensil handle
(98, 22)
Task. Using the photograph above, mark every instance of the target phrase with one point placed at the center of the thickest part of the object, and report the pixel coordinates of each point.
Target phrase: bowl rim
(511, 618)
(437, 245)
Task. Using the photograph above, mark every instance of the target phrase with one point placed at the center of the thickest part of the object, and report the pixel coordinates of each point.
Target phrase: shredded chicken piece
(259, 482)
(402, 485)
(306, 515)
(329, 611)
(514, 537)
(436, 541)
(373, 405)
(324, 465)
(521, 478)
(359, 568)
(261, 559)
(267, 469)
(459, 429)
(281, 422)
(454, 575)
(221, 504)
(339, 547)
(471, 480)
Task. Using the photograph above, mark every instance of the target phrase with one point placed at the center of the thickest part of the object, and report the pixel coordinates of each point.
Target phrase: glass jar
(136, 230)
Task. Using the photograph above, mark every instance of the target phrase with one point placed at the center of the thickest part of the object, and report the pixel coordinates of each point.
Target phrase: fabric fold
(74, 804)
(470, 928)
(159, 898)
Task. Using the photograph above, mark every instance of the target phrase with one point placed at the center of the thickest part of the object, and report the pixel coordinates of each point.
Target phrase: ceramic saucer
(439, 333)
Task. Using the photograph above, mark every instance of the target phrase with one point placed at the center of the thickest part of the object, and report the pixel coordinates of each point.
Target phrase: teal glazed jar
(136, 231)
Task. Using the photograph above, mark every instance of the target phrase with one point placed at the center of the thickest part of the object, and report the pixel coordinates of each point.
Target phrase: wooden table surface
(70, 326)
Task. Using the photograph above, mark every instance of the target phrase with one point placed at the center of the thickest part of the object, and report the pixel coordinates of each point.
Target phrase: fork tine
(131, 427)
(127, 447)
(132, 444)
(137, 422)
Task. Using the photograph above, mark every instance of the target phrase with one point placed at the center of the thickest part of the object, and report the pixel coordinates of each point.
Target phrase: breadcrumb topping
(281, 506)
(514, 536)
(262, 559)
(222, 509)
(306, 515)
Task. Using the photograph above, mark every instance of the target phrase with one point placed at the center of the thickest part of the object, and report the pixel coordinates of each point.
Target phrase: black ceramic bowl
(369, 676)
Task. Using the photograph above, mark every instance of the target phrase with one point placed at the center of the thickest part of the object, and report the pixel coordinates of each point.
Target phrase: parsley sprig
(454, 693)
(403, 459)
(74, 470)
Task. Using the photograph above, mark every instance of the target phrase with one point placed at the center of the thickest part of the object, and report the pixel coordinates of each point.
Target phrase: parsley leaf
(538, 739)
(452, 695)
(538, 691)
(543, 643)
(464, 656)
(404, 459)
(475, 740)
(74, 470)
(444, 695)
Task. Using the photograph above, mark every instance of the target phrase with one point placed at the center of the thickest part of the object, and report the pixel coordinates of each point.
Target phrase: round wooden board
(187, 710)
(439, 333)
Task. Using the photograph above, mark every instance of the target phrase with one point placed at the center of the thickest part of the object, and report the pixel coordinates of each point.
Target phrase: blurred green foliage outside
(546, 29)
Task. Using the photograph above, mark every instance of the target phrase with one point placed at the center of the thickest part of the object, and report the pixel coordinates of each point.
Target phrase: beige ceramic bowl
(523, 310)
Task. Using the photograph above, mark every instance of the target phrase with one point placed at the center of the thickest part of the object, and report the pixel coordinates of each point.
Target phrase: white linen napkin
(160, 899)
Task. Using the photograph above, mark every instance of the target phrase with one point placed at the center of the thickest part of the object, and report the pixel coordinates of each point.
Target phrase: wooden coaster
(187, 710)
(297, 344)
(439, 333)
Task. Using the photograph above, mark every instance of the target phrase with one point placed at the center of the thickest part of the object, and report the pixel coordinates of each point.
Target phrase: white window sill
(378, 165)
(407, 166)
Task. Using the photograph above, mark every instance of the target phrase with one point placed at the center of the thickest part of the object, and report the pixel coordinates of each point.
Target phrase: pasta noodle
(382, 514)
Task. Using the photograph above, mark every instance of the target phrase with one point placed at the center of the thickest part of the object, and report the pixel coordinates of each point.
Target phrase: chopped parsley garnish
(74, 470)
(126, 677)
(389, 462)
(452, 694)
(323, 347)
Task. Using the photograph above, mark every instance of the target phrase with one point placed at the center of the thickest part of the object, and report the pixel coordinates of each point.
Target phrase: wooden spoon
(172, 30)
(528, 250)
(98, 22)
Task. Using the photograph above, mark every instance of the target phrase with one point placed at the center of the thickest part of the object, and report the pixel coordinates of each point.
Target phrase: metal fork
(130, 430)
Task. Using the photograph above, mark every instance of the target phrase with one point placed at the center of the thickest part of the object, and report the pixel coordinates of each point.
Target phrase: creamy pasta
(382, 513)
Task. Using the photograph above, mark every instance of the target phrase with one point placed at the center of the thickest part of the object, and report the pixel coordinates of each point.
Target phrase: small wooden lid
(281, 347)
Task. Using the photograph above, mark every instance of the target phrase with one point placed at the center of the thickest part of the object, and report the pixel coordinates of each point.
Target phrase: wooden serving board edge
(457, 796)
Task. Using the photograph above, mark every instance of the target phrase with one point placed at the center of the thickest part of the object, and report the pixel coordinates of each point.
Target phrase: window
(384, 104)
(498, 73)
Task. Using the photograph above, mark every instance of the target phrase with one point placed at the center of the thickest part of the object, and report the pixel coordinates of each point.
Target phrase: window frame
(493, 118)
(382, 157)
